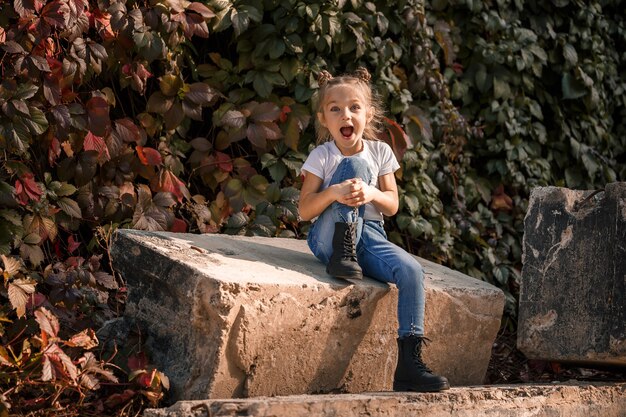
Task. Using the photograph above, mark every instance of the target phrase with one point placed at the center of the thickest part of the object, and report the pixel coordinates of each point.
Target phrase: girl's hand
(355, 192)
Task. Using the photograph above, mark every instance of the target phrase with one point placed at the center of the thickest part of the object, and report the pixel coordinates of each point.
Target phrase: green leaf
(70, 207)
(572, 88)
(501, 89)
(261, 85)
(570, 54)
(237, 221)
(412, 203)
(37, 122)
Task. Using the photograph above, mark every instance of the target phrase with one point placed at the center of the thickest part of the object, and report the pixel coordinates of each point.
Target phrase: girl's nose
(345, 115)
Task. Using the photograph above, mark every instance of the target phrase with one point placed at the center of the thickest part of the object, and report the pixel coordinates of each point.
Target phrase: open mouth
(347, 131)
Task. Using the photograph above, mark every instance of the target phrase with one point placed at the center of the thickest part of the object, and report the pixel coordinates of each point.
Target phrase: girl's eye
(334, 108)
(355, 107)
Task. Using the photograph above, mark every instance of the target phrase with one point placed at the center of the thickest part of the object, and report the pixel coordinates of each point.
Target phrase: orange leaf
(149, 156)
(501, 201)
(170, 183)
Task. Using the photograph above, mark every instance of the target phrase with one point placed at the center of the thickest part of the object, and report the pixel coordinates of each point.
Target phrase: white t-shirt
(323, 161)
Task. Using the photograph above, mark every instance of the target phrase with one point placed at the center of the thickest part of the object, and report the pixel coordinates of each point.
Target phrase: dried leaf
(56, 364)
(86, 339)
(48, 322)
(106, 280)
(11, 266)
(19, 290)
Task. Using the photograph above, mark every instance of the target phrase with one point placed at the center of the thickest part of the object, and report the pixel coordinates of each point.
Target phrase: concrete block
(549, 400)
(572, 299)
(230, 316)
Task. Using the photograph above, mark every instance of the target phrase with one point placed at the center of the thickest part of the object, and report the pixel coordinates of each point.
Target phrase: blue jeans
(379, 258)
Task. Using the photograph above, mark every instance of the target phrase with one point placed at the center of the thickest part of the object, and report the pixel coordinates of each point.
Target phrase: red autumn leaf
(56, 13)
(27, 189)
(169, 182)
(178, 226)
(35, 300)
(127, 131)
(201, 9)
(72, 245)
(224, 162)
(138, 361)
(102, 22)
(146, 378)
(98, 116)
(283, 113)
(116, 400)
(54, 151)
(25, 8)
(396, 137)
(97, 143)
(149, 156)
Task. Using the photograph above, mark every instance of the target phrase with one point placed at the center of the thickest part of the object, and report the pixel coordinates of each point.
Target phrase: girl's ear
(320, 117)
(370, 114)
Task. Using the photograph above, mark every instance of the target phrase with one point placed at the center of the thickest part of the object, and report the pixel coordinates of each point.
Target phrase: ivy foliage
(196, 116)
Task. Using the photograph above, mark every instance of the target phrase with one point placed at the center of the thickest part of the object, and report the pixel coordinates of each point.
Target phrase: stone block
(572, 300)
(229, 316)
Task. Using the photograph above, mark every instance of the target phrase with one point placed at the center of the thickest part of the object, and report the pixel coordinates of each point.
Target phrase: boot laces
(417, 353)
(349, 243)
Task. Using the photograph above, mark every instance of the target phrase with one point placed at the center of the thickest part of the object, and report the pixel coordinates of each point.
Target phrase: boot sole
(345, 276)
(420, 388)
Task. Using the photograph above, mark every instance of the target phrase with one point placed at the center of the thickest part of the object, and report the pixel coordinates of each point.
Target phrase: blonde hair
(360, 80)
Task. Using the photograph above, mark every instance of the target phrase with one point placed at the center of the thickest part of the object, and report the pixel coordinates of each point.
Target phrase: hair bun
(323, 77)
(363, 74)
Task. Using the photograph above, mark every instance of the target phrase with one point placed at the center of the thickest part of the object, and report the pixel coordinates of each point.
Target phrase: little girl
(348, 186)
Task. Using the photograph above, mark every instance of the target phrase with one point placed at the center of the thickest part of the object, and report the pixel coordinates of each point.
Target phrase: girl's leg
(384, 261)
(322, 230)
(387, 262)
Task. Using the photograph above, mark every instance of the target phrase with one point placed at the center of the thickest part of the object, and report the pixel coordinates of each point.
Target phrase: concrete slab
(550, 400)
(573, 292)
(228, 316)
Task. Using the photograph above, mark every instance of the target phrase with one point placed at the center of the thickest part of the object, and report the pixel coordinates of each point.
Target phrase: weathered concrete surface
(552, 400)
(232, 316)
(573, 299)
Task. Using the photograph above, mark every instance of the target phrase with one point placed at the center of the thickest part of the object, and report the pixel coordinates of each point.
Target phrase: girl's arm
(313, 202)
(353, 192)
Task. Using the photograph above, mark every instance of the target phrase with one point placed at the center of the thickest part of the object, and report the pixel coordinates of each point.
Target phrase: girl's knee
(411, 274)
(355, 163)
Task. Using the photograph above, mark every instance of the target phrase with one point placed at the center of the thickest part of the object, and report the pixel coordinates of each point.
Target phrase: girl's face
(345, 114)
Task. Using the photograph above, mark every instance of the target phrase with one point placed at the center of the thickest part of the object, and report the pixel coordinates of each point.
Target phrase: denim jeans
(379, 258)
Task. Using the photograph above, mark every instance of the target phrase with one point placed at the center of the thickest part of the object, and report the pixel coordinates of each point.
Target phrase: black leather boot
(411, 373)
(343, 263)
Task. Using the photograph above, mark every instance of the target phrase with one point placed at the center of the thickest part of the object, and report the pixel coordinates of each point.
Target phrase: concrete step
(548, 400)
